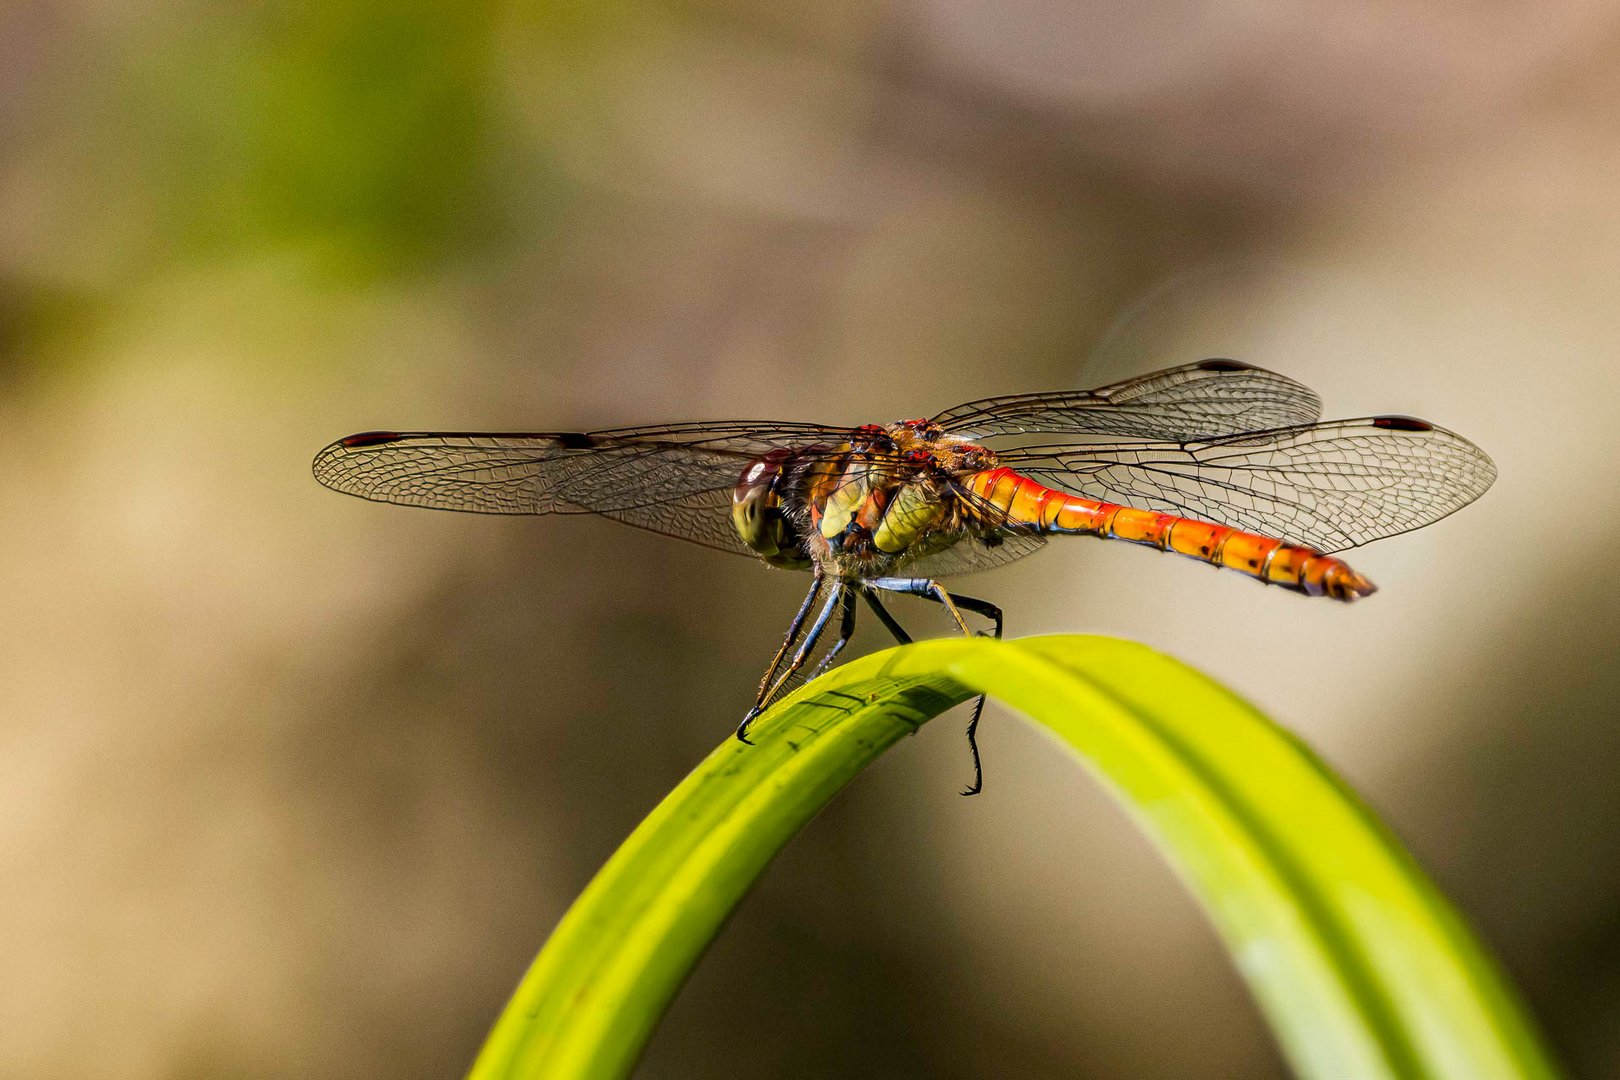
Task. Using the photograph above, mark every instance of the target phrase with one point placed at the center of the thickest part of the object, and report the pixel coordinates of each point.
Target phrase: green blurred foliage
(379, 135)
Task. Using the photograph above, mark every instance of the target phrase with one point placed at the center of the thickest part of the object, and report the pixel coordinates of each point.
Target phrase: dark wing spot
(1222, 364)
(1402, 423)
(369, 438)
(576, 440)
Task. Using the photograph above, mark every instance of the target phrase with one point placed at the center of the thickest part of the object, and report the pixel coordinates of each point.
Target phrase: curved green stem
(1358, 962)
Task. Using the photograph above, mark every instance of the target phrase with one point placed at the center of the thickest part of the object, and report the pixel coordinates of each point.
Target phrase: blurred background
(293, 784)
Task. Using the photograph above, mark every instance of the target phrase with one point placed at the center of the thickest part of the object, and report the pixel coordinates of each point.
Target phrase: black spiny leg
(933, 590)
(889, 622)
(799, 658)
(993, 613)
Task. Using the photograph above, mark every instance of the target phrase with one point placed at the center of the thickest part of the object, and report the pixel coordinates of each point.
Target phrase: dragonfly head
(758, 516)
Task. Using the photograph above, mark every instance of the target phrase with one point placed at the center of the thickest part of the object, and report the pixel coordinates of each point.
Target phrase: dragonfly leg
(889, 622)
(981, 607)
(933, 590)
(846, 630)
(928, 589)
(797, 662)
(993, 613)
(792, 637)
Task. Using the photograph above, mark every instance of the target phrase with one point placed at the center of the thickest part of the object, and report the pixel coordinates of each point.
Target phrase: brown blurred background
(295, 785)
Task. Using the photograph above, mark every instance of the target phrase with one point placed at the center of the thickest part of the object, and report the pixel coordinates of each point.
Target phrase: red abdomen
(1271, 560)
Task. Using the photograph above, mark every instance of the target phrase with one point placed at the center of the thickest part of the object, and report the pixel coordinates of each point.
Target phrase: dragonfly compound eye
(757, 513)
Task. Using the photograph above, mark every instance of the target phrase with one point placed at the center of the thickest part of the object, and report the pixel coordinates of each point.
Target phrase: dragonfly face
(1218, 461)
(763, 510)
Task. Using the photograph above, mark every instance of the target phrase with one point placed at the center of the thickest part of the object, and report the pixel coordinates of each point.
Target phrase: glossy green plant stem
(1359, 964)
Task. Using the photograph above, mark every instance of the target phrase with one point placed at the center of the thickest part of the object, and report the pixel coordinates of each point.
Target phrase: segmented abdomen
(1026, 502)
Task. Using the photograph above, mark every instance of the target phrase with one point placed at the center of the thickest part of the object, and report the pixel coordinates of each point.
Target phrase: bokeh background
(295, 785)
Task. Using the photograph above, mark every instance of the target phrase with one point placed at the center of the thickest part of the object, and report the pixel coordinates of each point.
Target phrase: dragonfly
(1218, 461)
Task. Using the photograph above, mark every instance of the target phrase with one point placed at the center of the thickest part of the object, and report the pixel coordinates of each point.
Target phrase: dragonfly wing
(703, 518)
(972, 554)
(1328, 486)
(675, 480)
(1202, 400)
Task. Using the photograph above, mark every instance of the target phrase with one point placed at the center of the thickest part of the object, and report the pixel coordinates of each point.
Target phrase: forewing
(675, 480)
(1203, 400)
(1327, 486)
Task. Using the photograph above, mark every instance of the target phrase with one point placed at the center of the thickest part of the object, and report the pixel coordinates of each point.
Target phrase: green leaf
(1360, 965)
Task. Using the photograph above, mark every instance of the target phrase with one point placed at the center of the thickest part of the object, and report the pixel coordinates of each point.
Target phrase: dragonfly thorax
(862, 507)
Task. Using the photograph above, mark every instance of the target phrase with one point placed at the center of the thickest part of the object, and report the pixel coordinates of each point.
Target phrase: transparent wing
(1202, 400)
(675, 479)
(1328, 486)
(972, 554)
